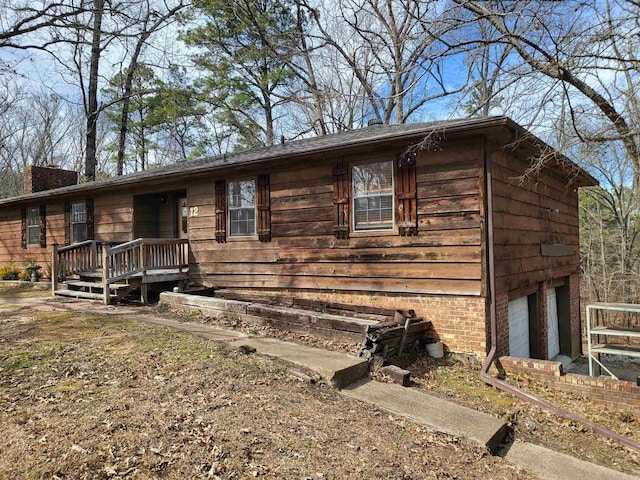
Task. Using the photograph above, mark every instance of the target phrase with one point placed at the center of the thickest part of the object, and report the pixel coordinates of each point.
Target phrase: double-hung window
(373, 196)
(242, 208)
(33, 226)
(78, 222)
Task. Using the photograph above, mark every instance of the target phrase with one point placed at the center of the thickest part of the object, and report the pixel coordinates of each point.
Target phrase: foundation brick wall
(502, 320)
(460, 322)
(620, 394)
(576, 333)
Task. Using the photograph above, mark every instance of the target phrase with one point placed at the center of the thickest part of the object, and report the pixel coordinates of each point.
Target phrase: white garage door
(553, 335)
(519, 328)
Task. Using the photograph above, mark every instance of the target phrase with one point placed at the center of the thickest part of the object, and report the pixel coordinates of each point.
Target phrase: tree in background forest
(242, 46)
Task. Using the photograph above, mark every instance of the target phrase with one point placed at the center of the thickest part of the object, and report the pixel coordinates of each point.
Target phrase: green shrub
(9, 271)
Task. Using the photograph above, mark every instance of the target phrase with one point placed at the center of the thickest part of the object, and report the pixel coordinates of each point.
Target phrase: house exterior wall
(536, 244)
(112, 222)
(438, 272)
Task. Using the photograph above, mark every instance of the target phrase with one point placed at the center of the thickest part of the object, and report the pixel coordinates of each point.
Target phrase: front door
(182, 208)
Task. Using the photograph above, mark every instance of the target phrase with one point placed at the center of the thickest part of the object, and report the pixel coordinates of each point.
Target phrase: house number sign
(193, 211)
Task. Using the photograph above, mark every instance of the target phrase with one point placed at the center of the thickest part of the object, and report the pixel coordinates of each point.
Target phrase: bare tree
(392, 48)
(588, 49)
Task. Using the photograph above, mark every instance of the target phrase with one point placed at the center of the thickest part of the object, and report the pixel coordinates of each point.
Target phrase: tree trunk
(92, 110)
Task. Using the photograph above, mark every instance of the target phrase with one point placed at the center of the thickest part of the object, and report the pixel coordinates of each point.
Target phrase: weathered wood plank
(450, 205)
(295, 190)
(456, 253)
(302, 201)
(302, 229)
(439, 189)
(318, 214)
(450, 221)
(558, 250)
(425, 286)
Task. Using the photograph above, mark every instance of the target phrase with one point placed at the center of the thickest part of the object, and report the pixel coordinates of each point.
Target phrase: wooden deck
(95, 269)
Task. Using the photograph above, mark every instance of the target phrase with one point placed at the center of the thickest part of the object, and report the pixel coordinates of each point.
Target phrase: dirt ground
(94, 396)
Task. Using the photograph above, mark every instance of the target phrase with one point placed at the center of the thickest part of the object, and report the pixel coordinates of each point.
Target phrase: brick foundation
(459, 321)
(619, 394)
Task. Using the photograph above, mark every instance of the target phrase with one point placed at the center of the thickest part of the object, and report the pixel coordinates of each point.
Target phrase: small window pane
(79, 222)
(242, 211)
(373, 196)
(33, 226)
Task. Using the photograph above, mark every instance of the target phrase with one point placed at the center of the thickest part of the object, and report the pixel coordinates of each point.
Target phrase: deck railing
(120, 261)
(75, 259)
(142, 255)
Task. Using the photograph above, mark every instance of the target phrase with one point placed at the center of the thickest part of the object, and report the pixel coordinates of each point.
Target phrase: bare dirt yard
(86, 395)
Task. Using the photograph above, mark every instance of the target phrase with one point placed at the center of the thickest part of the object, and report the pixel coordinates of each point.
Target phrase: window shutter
(67, 223)
(23, 213)
(407, 195)
(341, 189)
(43, 226)
(264, 208)
(90, 219)
(221, 211)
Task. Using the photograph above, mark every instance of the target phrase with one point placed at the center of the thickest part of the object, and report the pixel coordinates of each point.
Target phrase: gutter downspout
(496, 382)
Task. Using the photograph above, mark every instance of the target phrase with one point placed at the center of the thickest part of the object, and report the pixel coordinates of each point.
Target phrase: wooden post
(54, 268)
(94, 256)
(143, 286)
(105, 276)
(407, 322)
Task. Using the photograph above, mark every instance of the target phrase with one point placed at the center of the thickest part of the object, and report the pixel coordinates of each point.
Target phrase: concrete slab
(337, 369)
(553, 465)
(430, 411)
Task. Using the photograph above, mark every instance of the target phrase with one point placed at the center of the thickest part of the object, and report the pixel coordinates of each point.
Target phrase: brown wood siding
(113, 217)
(524, 220)
(444, 258)
(10, 236)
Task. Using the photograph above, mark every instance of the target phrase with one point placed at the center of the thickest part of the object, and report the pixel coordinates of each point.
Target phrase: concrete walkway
(349, 373)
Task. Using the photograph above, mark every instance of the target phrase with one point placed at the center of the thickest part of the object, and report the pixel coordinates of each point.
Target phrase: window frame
(74, 223)
(35, 211)
(254, 234)
(392, 229)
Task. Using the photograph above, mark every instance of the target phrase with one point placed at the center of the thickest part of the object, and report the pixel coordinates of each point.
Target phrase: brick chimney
(38, 179)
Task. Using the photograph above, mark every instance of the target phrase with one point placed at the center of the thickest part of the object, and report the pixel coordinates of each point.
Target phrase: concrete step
(80, 294)
(337, 369)
(433, 412)
(553, 465)
(92, 285)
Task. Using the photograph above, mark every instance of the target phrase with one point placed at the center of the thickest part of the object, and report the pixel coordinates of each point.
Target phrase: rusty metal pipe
(484, 370)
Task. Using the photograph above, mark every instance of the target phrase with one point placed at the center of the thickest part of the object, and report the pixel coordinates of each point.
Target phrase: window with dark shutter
(407, 195)
(372, 190)
(341, 189)
(221, 211)
(42, 237)
(264, 208)
(23, 214)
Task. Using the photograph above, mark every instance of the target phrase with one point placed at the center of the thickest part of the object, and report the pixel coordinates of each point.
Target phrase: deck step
(85, 284)
(81, 294)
